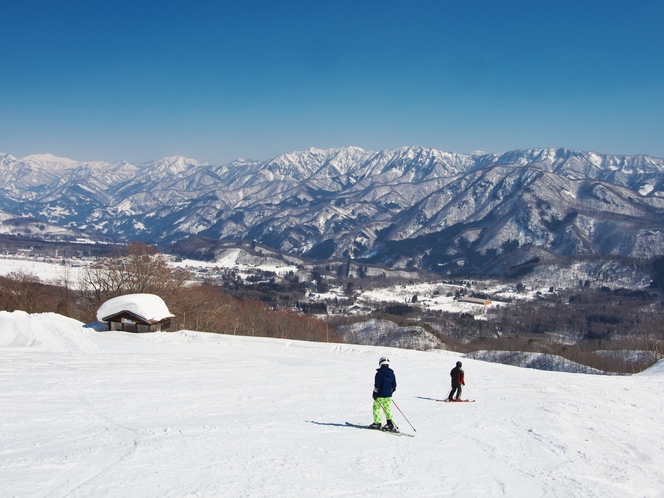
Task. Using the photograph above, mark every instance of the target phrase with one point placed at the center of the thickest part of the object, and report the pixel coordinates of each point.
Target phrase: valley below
(592, 316)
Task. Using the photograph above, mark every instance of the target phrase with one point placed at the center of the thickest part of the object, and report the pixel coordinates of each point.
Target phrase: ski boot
(375, 425)
(390, 427)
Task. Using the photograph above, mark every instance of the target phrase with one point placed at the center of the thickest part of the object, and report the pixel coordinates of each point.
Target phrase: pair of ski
(456, 400)
(358, 426)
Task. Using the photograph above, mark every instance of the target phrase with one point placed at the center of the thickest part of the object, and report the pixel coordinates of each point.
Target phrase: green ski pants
(386, 405)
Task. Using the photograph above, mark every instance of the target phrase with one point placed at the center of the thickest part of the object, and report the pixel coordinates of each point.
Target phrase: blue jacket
(385, 382)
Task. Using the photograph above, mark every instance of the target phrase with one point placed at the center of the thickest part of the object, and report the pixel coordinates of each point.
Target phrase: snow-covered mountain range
(407, 206)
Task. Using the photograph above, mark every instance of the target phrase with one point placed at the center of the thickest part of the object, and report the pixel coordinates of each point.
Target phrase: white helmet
(384, 361)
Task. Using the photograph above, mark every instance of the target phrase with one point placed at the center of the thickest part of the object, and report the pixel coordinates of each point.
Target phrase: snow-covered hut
(136, 313)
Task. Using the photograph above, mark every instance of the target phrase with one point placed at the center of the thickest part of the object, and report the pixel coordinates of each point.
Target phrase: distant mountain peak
(173, 160)
(51, 161)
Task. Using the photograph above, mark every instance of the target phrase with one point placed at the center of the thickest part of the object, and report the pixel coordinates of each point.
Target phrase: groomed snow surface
(190, 414)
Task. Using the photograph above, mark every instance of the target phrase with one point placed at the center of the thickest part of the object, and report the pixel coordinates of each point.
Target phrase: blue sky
(138, 80)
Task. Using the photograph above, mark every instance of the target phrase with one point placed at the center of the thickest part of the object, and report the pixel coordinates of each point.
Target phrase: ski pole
(404, 416)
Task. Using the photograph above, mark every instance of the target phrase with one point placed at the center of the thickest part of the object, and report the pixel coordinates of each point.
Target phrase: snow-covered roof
(150, 307)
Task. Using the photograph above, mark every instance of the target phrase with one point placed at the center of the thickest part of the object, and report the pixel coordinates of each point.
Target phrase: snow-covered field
(188, 414)
(427, 299)
(233, 259)
(50, 271)
(46, 271)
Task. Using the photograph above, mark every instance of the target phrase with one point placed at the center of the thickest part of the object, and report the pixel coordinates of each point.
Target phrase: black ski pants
(455, 390)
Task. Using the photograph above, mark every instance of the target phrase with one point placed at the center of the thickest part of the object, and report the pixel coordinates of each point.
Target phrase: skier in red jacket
(458, 380)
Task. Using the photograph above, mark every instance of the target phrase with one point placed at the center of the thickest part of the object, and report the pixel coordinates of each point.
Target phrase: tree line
(141, 269)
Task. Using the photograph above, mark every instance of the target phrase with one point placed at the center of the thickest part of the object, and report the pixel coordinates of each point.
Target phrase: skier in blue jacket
(385, 383)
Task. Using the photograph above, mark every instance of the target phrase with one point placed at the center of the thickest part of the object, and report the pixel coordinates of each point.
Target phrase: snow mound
(44, 332)
(656, 369)
(147, 306)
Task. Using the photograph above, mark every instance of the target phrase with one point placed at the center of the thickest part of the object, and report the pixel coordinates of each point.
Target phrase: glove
(374, 395)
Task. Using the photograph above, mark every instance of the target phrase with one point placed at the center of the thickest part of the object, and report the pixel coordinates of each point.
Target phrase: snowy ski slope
(189, 414)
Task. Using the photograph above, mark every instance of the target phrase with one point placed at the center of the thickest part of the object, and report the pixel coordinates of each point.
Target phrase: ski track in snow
(88, 413)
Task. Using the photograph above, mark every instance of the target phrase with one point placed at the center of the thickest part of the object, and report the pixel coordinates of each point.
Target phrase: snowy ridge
(539, 361)
(412, 205)
(385, 333)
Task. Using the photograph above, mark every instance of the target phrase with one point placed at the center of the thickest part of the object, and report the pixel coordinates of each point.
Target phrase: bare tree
(140, 270)
(20, 291)
(65, 283)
